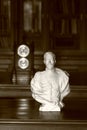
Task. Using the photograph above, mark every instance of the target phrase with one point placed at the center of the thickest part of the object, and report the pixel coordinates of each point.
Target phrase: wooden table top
(25, 110)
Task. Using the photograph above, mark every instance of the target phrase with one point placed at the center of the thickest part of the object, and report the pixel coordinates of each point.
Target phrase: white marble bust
(50, 86)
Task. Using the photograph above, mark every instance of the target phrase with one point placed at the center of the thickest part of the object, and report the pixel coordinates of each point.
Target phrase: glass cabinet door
(32, 15)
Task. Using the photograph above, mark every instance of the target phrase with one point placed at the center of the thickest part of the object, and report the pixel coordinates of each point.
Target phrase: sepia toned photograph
(43, 64)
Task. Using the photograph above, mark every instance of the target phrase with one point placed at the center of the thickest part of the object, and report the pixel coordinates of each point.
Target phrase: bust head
(49, 60)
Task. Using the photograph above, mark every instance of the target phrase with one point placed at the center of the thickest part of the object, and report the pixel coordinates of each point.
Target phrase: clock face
(23, 50)
(23, 63)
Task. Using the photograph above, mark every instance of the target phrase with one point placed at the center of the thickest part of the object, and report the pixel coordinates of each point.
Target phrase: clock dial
(23, 63)
(23, 50)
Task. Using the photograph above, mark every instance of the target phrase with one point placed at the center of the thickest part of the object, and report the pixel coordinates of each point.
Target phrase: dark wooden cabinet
(64, 19)
(6, 29)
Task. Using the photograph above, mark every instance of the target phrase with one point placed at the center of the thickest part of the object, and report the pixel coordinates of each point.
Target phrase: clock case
(23, 76)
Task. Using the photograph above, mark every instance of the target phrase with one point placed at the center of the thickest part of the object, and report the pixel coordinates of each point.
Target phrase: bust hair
(49, 53)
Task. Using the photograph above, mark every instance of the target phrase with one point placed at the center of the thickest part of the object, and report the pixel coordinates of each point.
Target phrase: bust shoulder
(62, 72)
(39, 74)
(59, 70)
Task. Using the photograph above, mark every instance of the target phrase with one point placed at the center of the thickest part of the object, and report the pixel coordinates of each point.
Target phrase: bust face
(49, 61)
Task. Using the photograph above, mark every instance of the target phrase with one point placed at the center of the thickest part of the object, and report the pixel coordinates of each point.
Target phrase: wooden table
(22, 114)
